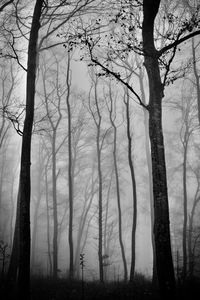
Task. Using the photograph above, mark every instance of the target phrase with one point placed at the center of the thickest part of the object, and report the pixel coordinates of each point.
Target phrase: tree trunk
(55, 214)
(100, 196)
(118, 193)
(48, 223)
(134, 190)
(164, 263)
(25, 184)
(100, 254)
(70, 175)
(184, 232)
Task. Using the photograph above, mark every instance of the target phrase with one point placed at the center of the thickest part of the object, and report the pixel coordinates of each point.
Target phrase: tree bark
(164, 263)
(25, 184)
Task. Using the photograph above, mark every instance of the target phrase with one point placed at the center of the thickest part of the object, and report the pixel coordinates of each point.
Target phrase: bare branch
(5, 4)
(117, 76)
(177, 42)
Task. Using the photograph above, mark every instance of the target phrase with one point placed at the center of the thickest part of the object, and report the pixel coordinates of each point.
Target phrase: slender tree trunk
(190, 250)
(70, 175)
(118, 194)
(97, 121)
(134, 190)
(55, 214)
(48, 223)
(106, 216)
(164, 263)
(184, 232)
(100, 254)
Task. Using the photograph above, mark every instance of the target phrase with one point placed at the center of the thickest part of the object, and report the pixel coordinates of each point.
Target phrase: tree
(36, 199)
(23, 219)
(70, 171)
(24, 206)
(112, 116)
(134, 189)
(152, 59)
(54, 91)
(97, 117)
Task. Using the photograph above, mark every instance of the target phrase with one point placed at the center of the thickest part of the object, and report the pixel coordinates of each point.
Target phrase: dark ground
(141, 289)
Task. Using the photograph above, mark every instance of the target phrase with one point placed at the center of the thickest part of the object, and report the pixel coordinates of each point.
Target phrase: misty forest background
(92, 193)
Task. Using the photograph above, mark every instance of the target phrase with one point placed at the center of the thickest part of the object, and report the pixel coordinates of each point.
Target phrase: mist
(99, 150)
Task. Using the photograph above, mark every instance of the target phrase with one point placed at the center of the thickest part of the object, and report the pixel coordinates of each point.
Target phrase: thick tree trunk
(25, 184)
(164, 263)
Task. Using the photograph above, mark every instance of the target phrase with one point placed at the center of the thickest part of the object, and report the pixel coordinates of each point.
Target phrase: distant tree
(53, 95)
(70, 170)
(134, 188)
(185, 135)
(112, 115)
(88, 197)
(95, 111)
(36, 199)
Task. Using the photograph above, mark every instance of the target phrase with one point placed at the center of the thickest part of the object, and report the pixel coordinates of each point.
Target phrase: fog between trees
(97, 87)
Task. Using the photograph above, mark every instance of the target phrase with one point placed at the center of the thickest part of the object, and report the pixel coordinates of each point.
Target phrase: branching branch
(117, 76)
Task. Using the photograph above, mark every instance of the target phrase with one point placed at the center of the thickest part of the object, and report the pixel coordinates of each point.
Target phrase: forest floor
(140, 289)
